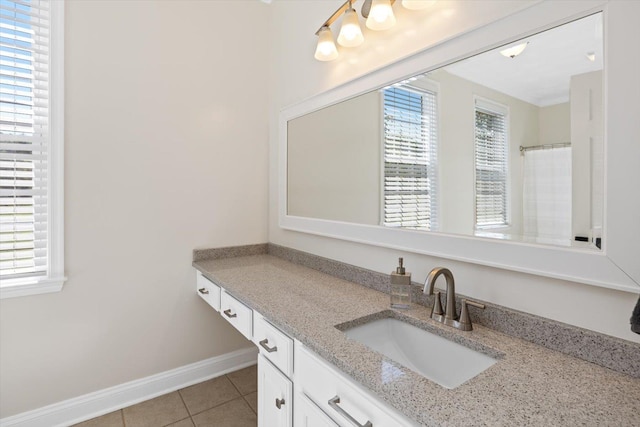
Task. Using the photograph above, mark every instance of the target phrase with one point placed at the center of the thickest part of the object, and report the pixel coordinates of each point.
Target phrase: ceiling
(541, 74)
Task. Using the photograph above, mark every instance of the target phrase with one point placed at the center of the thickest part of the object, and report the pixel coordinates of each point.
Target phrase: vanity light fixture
(513, 51)
(326, 49)
(378, 14)
(350, 32)
(591, 56)
(381, 15)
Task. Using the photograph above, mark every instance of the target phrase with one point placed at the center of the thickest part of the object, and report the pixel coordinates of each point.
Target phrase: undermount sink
(432, 356)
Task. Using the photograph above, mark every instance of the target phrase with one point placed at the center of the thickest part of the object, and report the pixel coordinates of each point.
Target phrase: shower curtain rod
(543, 146)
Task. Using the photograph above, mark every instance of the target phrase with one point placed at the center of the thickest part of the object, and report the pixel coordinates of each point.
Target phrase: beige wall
(166, 151)
(456, 159)
(297, 76)
(555, 124)
(334, 160)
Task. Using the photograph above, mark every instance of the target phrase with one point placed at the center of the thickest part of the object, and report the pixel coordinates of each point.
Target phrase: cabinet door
(275, 393)
(309, 415)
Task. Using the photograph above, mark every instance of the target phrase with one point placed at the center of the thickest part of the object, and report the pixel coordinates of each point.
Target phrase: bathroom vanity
(312, 374)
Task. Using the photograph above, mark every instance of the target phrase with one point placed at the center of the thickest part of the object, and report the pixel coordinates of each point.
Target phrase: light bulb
(514, 51)
(350, 32)
(381, 16)
(326, 49)
(417, 4)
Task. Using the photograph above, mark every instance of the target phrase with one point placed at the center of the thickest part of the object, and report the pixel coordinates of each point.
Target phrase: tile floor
(227, 401)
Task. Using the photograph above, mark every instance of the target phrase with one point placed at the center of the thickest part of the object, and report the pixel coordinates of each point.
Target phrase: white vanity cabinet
(347, 403)
(236, 313)
(307, 414)
(275, 396)
(208, 291)
(323, 396)
(275, 370)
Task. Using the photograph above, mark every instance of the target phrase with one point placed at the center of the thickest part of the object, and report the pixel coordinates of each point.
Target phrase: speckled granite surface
(530, 384)
(610, 352)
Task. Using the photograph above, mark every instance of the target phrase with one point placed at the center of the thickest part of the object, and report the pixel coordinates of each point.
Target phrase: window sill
(26, 287)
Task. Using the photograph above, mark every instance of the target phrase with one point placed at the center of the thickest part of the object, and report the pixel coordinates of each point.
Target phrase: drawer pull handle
(279, 403)
(203, 291)
(334, 404)
(264, 345)
(227, 312)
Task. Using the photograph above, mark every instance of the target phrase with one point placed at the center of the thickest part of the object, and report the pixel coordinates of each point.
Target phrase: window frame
(490, 106)
(54, 278)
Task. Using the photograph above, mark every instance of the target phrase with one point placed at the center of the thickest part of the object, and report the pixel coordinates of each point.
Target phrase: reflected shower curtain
(547, 195)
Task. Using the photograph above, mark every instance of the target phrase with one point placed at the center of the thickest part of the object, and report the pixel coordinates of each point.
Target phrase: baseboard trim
(101, 402)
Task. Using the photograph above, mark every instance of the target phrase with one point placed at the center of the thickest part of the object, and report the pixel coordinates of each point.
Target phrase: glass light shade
(326, 49)
(513, 51)
(417, 4)
(350, 32)
(381, 16)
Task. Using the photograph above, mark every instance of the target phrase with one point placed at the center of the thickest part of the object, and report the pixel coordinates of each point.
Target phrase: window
(410, 148)
(491, 156)
(31, 138)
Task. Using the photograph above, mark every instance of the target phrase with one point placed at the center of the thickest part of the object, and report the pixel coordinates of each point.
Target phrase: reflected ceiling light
(417, 4)
(381, 16)
(350, 32)
(513, 51)
(326, 49)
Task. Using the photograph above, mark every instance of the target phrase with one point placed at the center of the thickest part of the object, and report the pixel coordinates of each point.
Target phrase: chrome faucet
(449, 317)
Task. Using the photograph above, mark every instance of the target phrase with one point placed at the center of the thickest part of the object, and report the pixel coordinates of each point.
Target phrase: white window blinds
(410, 149)
(24, 138)
(491, 166)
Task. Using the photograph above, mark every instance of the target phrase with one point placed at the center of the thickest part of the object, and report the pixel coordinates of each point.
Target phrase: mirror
(502, 145)
(612, 266)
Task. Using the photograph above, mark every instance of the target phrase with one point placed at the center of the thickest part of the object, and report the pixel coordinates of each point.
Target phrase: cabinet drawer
(273, 344)
(236, 313)
(346, 402)
(307, 414)
(208, 291)
(275, 391)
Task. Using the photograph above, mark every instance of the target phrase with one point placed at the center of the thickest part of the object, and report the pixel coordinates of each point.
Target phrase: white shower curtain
(547, 195)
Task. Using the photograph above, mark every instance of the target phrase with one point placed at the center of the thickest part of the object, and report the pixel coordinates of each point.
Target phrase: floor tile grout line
(213, 407)
(183, 402)
(234, 385)
(190, 415)
(250, 407)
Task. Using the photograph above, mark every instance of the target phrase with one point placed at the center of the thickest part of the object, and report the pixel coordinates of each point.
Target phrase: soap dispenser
(400, 288)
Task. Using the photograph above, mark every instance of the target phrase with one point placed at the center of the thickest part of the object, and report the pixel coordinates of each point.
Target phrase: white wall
(166, 151)
(587, 151)
(297, 76)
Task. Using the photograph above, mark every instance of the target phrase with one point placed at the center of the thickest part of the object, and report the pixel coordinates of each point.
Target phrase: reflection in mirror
(499, 145)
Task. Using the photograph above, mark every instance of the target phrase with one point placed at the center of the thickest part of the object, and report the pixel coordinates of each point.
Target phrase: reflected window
(491, 155)
(410, 147)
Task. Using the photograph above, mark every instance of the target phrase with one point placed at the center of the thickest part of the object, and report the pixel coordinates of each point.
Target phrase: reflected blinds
(491, 168)
(24, 137)
(410, 137)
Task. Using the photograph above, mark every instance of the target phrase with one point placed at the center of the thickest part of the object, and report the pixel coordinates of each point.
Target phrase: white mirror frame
(616, 266)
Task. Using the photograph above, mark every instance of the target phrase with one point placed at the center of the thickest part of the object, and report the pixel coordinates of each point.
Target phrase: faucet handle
(465, 320)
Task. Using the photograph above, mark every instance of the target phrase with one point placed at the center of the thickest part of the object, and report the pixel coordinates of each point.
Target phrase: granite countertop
(529, 385)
